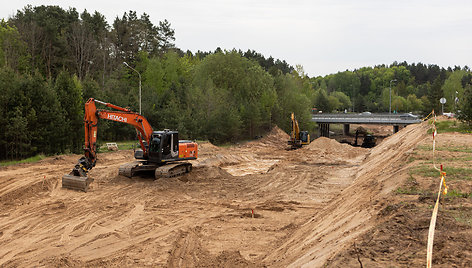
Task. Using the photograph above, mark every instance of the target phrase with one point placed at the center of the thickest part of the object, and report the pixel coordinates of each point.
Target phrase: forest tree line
(52, 60)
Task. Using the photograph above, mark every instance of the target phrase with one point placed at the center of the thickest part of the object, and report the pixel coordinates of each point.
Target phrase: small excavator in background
(161, 151)
(298, 138)
(369, 140)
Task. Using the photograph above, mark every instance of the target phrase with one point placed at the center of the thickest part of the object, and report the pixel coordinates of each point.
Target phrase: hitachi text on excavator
(161, 151)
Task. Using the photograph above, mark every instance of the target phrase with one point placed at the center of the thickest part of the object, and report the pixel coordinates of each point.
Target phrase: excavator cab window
(166, 140)
(155, 143)
(175, 143)
(304, 136)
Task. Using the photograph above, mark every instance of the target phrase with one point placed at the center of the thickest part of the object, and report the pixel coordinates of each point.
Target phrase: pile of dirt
(276, 138)
(331, 149)
(207, 147)
(277, 134)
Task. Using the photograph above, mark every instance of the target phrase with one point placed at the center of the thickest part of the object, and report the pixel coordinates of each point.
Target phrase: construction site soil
(252, 205)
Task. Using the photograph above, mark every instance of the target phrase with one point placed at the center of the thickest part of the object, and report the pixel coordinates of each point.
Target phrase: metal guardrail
(364, 118)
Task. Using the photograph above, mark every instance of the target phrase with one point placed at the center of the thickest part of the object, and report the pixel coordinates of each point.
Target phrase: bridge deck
(387, 119)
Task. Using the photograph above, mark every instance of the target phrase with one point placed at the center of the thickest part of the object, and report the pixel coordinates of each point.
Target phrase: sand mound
(277, 134)
(276, 138)
(332, 148)
(207, 146)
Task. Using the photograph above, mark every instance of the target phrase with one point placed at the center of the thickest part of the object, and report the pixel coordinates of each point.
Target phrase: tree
(399, 104)
(17, 135)
(70, 99)
(344, 101)
(12, 49)
(250, 88)
(413, 104)
(45, 29)
(452, 88)
(435, 93)
(322, 101)
(165, 36)
(82, 46)
(466, 106)
(132, 35)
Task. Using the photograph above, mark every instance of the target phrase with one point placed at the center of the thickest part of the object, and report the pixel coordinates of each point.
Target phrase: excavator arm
(295, 129)
(78, 178)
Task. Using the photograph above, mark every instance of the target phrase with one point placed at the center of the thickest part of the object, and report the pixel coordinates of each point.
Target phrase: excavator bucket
(70, 181)
(77, 179)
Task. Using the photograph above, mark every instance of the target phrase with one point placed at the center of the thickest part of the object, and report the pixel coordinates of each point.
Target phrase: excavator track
(172, 170)
(128, 169)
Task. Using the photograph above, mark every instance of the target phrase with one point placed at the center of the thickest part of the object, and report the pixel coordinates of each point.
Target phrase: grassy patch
(32, 159)
(458, 173)
(424, 171)
(122, 145)
(465, 149)
(410, 188)
(454, 193)
(447, 159)
(451, 126)
(452, 173)
(462, 214)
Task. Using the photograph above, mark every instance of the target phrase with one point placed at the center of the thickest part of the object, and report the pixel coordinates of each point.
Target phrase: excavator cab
(164, 146)
(304, 137)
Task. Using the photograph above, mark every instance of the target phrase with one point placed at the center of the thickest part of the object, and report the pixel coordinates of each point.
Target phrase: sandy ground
(251, 205)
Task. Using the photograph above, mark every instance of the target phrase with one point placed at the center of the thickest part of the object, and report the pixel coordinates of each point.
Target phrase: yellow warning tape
(426, 118)
(432, 225)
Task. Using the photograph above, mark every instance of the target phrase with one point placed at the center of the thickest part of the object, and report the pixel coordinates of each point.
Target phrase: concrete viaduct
(396, 120)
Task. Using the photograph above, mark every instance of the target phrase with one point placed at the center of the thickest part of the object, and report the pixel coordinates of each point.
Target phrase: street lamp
(390, 102)
(139, 84)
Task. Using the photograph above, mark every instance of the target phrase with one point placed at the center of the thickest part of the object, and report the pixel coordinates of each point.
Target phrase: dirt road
(251, 205)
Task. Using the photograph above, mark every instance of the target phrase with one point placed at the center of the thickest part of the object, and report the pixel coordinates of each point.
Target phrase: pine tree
(466, 106)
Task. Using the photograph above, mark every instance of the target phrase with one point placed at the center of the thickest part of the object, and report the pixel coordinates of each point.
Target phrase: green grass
(410, 187)
(424, 171)
(446, 159)
(32, 159)
(462, 214)
(464, 149)
(408, 190)
(452, 173)
(458, 173)
(451, 126)
(454, 193)
(122, 145)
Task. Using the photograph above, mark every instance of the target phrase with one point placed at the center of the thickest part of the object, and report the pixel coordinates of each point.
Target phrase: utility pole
(139, 84)
(390, 101)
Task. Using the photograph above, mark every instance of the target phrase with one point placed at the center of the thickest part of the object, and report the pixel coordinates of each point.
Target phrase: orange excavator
(161, 151)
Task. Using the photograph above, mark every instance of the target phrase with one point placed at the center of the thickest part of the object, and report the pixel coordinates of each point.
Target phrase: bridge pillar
(395, 129)
(346, 129)
(324, 130)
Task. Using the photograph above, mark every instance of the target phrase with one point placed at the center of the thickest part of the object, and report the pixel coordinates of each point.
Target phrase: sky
(324, 36)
